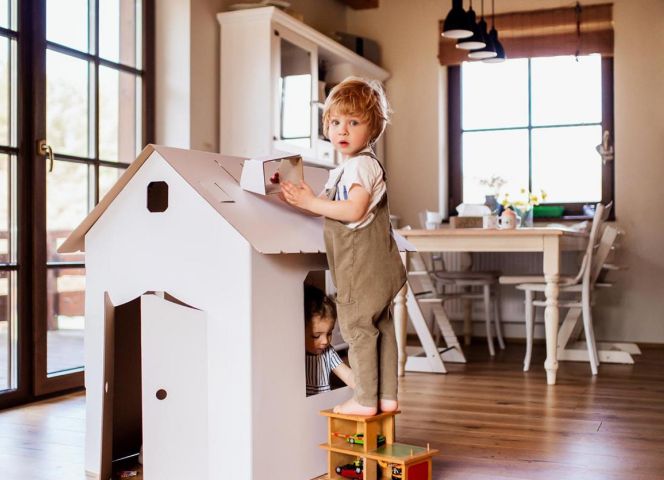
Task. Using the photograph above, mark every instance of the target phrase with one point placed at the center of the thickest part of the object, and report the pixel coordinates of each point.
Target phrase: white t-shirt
(362, 170)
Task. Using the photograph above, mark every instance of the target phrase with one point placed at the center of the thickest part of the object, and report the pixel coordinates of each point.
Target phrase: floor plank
(488, 419)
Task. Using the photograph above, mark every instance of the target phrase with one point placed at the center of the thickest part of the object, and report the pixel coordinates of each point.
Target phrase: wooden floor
(488, 419)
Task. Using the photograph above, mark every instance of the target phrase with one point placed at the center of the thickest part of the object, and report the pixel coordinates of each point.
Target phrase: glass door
(92, 121)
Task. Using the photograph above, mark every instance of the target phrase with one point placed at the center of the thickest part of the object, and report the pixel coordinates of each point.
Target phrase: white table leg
(551, 313)
(401, 322)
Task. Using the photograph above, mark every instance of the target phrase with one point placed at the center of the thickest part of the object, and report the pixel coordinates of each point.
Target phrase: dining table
(550, 241)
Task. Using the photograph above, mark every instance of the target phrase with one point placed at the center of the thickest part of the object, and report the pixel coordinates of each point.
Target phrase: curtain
(544, 33)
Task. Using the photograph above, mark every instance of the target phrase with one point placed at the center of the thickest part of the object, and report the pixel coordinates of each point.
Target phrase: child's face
(349, 133)
(317, 334)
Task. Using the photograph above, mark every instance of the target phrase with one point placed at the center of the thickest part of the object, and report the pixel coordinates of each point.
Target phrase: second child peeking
(362, 255)
(320, 315)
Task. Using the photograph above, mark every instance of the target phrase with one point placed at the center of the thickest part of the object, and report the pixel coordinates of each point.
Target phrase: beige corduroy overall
(367, 270)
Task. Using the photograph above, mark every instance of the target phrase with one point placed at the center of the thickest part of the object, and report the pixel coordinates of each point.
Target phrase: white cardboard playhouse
(208, 376)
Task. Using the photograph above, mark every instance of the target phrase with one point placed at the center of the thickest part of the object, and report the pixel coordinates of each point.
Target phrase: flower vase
(526, 215)
(492, 202)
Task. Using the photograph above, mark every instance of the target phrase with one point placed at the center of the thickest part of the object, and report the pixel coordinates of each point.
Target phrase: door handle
(44, 148)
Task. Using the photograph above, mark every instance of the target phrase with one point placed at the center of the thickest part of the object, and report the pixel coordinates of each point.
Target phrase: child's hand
(297, 195)
(274, 178)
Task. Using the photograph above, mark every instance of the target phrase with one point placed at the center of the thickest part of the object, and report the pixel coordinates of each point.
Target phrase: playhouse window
(157, 196)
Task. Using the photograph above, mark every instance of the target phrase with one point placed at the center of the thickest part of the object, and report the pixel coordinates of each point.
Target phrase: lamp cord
(577, 10)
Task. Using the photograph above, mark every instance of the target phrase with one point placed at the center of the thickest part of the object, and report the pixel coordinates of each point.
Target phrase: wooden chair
(581, 290)
(600, 216)
(466, 283)
(474, 286)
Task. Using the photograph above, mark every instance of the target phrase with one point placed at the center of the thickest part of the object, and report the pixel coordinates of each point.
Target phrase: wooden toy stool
(359, 447)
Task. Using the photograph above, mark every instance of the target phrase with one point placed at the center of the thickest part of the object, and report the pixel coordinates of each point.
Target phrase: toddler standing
(362, 255)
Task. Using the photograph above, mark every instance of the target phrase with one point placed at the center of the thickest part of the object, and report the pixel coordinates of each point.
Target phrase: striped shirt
(318, 369)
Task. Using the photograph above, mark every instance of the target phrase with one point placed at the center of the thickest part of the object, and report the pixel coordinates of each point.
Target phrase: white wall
(172, 78)
(634, 310)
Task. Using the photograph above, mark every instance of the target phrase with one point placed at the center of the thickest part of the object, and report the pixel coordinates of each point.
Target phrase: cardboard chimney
(257, 172)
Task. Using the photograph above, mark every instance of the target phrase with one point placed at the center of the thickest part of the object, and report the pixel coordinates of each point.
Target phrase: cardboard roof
(266, 222)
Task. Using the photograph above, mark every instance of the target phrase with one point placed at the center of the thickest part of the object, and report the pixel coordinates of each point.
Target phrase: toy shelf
(401, 453)
(391, 461)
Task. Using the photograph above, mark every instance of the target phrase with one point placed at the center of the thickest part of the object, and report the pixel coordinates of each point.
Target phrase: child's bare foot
(388, 405)
(351, 407)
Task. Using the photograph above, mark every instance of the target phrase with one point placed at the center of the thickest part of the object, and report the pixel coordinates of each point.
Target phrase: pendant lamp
(489, 50)
(476, 40)
(500, 51)
(456, 24)
(493, 38)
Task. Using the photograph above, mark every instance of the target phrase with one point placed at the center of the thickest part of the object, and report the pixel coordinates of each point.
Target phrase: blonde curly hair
(361, 97)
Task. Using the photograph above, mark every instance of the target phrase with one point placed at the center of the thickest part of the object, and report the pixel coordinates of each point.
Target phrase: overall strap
(371, 154)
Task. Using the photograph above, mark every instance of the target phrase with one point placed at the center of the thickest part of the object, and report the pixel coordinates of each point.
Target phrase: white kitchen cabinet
(270, 96)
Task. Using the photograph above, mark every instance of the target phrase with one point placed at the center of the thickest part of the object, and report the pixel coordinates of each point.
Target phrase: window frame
(455, 149)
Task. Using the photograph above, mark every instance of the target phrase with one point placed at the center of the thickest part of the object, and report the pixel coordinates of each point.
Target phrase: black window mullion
(455, 139)
(530, 128)
(96, 100)
(5, 32)
(56, 47)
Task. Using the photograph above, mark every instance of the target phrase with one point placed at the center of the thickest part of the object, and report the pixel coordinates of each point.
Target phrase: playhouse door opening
(122, 434)
(321, 331)
(156, 382)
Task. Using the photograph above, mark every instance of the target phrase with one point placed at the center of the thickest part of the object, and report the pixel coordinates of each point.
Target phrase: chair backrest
(596, 229)
(602, 251)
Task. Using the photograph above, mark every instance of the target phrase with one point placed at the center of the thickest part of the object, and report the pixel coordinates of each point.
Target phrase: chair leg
(588, 330)
(530, 323)
(496, 316)
(487, 318)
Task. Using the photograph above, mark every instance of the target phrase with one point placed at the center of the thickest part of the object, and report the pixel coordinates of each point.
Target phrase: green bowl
(549, 211)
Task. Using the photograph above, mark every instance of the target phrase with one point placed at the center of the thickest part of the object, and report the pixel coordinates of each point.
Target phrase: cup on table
(433, 220)
(490, 221)
(509, 220)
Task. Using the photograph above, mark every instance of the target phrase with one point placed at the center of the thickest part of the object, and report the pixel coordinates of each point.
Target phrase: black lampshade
(455, 25)
(476, 40)
(500, 51)
(489, 50)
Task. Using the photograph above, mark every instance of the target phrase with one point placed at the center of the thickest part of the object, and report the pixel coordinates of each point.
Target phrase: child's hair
(317, 303)
(358, 96)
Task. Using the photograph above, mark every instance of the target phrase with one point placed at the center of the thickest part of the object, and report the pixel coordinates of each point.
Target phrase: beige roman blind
(545, 33)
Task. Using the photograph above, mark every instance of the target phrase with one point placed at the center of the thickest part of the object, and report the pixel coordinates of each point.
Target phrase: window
(534, 122)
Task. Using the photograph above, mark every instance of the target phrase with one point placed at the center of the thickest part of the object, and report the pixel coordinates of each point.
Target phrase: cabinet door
(296, 79)
(175, 404)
